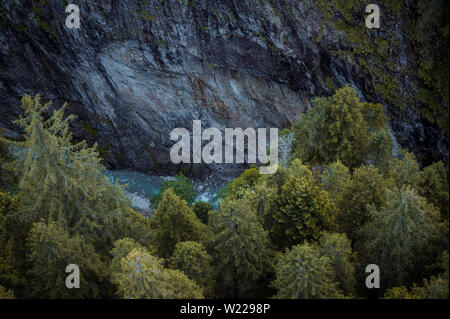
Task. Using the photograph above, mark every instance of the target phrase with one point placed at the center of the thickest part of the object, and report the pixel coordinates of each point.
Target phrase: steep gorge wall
(137, 69)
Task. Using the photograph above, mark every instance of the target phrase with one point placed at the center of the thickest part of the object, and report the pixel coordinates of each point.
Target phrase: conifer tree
(404, 171)
(334, 177)
(398, 236)
(339, 127)
(264, 202)
(64, 182)
(192, 259)
(51, 250)
(380, 149)
(338, 249)
(303, 273)
(142, 276)
(434, 288)
(366, 187)
(201, 210)
(13, 234)
(174, 222)
(246, 181)
(305, 209)
(8, 177)
(239, 248)
(433, 185)
(121, 249)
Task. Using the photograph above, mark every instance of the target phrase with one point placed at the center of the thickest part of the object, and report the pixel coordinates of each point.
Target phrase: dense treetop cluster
(344, 199)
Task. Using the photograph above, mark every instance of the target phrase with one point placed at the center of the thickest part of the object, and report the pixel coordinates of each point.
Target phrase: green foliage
(121, 249)
(191, 258)
(143, 276)
(283, 174)
(303, 273)
(264, 202)
(7, 176)
(399, 293)
(51, 249)
(424, 25)
(337, 247)
(13, 235)
(367, 187)
(174, 222)
(380, 149)
(334, 177)
(66, 211)
(305, 209)
(9, 275)
(405, 171)
(245, 182)
(339, 127)
(434, 288)
(201, 210)
(63, 182)
(239, 248)
(240, 186)
(181, 186)
(5, 294)
(135, 226)
(433, 185)
(399, 234)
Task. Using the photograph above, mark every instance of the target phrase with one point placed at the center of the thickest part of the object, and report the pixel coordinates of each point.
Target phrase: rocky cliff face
(137, 69)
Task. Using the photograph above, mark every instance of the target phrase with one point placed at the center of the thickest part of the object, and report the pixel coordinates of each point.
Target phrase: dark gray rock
(137, 69)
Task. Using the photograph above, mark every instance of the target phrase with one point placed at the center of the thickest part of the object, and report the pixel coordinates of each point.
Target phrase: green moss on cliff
(377, 52)
(89, 129)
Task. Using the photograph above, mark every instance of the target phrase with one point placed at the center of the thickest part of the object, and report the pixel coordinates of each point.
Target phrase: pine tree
(338, 249)
(239, 248)
(121, 249)
(303, 273)
(192, 259)
(434, 288)
(380, 149)
(339, 127)
(264, 202)
(405, 171)
(433, 185)
(398, 237)
(8, 177)
(174, 222)
(305, 209)
(201, 210)
(143, 276)
(246, 181)
(64, 182)
(51, 250)
(13, 234)
(334, 177)
(366, 187)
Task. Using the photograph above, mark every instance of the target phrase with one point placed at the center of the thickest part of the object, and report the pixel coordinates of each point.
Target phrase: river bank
(140, 187)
